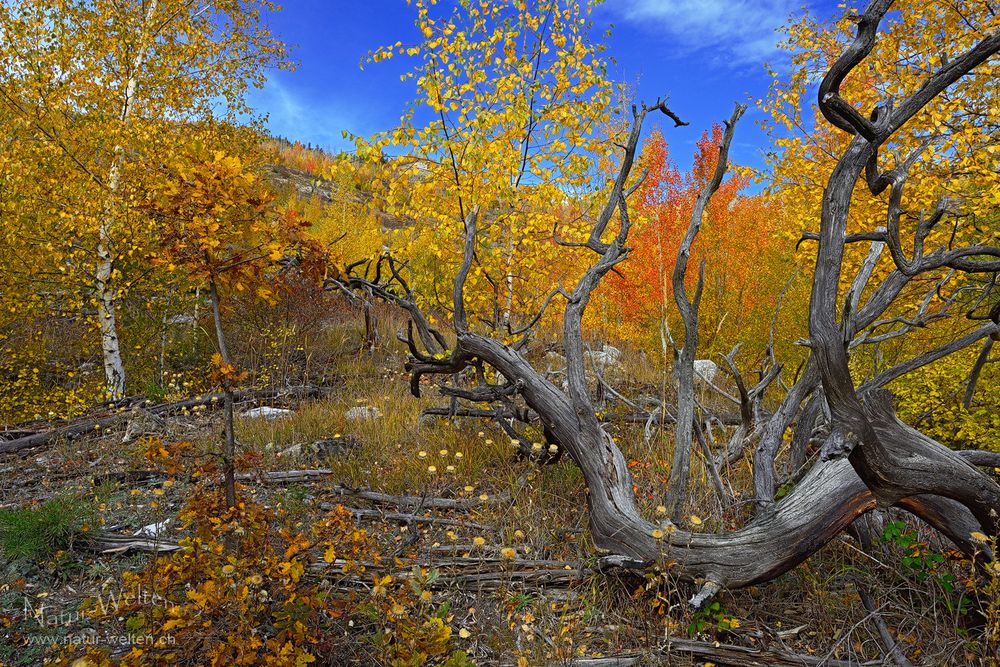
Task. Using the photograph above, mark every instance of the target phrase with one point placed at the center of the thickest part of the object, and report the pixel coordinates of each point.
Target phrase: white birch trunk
(114, 368)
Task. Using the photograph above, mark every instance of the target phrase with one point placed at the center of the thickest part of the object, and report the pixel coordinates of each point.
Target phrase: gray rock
(321, 449)
(607, 357)
(266, 412)
(363, 413)
(153, 529)
(333, 447)
(705, 369)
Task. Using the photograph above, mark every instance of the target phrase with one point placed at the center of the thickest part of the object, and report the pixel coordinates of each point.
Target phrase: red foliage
(737, 243)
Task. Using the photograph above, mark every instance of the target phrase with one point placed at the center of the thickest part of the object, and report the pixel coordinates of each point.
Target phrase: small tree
(220, 227)
(512, 100)
(97, 92)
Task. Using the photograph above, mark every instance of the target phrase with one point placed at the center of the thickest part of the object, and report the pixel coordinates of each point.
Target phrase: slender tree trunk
(229, 444)
(680, 470)
(164, 322)
(977, 368)
(508, 306)
(773, 434)
(371, 335)
(802, 434)
(688, 308)
(114, 368)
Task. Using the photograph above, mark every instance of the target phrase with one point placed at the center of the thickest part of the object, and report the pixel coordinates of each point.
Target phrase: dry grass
(537, 511)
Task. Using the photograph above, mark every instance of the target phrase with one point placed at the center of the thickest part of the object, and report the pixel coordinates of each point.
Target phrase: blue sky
(703, 54)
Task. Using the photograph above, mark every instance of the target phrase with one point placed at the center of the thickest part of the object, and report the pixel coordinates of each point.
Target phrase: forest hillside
(528, 376)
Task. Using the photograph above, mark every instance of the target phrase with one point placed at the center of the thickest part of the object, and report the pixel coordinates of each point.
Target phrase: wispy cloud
(291, 115)
(733, 31)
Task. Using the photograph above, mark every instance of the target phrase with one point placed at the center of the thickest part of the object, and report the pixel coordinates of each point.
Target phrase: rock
(266, 412)
(294, 450)
(553, 365)
(153, 529)
(363, 413)
(705, 369)
(608, 356)
(554, 362)
(322, 449)
(181, 319)
(142, 422)
(332, 447)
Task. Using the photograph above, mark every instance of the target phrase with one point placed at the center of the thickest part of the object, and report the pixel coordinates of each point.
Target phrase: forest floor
(500, 545)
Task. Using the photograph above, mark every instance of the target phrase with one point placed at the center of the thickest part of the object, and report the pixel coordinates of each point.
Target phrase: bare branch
(688, 308)
(594, 242)
(929, 357)
(977, 368)
(837, 111)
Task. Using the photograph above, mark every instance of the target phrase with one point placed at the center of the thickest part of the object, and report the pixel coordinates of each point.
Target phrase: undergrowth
(37, 532)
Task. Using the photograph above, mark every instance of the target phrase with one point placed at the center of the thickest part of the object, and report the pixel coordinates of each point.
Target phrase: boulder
(363, 413)
(321, 449)
(553, 364)
(266, 412)
(333, 447)
(706, 370)
(608, 356)
(153, 530)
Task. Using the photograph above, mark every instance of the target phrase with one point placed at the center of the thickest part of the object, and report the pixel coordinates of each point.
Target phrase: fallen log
(132, 478)
(109, 543)
(714, 652)
(406, 518)
(15, 433)
(425, 502)
(376, 497)
(86, 426)
(468, 573)
(285, 476)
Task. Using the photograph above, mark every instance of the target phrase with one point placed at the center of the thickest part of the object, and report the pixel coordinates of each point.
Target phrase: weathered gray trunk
(828, 499)
(688, 306)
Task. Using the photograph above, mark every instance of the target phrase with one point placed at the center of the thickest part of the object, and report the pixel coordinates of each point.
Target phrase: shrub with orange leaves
(240, 591)
(409, 626)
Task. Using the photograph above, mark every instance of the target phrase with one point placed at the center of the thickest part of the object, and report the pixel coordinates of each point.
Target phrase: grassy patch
(37, 532)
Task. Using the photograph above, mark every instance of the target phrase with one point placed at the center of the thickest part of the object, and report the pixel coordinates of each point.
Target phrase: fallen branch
(981, 458)
(890, 645)
(86, 426)
(402, 516)
(721, 654)
(426, 502)
(109, 543)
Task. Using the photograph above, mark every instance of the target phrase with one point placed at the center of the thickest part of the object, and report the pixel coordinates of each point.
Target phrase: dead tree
(894, 461)
(869, 457)
(688, 306)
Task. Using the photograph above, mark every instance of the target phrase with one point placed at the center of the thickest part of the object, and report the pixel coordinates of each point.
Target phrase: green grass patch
(37, 532)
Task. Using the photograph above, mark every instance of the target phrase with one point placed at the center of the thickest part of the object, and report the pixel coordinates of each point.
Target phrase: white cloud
(734, 31)
(290, 115)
